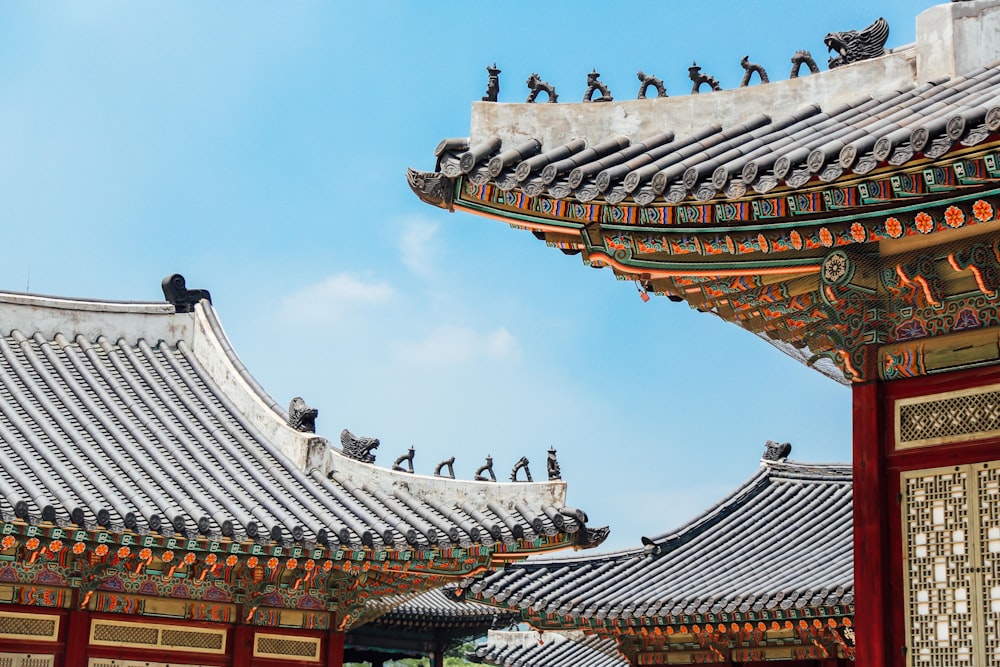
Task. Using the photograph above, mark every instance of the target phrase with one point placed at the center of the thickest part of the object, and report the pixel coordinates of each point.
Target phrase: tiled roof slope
(133, 416)
(755, 156)
(783, 540)
(548, 649)
(439, 610)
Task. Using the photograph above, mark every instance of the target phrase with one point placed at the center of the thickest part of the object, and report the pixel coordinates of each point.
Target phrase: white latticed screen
(287, 648)
(29, 626)
(955, 416)
(145, 635)
(951, 539)
(26, 660)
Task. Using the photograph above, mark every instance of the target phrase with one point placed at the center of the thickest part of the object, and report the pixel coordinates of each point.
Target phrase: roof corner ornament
(301, 417)
(447, 463)
(359, 449)
(776, 451)
(856, 45)
(699, 79)
(552, 465)
(800, 58)
(536, 85)
(522, 464)
(483, 470)
(432, 188)
(595, 84)
(397, 465)
(647, 81)
(749, 69)
(175, 291)
(591, 537)
(493, 84)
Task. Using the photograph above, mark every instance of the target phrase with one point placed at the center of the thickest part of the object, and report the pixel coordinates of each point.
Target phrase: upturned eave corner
(432, 188)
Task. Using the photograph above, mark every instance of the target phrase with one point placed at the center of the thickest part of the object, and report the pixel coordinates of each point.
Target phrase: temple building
(850, 218)
(158, 507)
(767, 574)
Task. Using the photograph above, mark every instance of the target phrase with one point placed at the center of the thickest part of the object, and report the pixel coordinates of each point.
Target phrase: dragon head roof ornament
(856, 45)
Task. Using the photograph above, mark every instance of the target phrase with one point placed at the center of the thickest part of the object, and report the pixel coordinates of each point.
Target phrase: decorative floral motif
(32, 543)
(825, 237)
(796, 240)
(327, 565)
(231, 561)
(893, 228)
(730, 246)
(309, 565)
(953, 217)
(272, 563)
(858, 232)
(146, 554)
(101, 550)
(8, 542)
(167, 556)
(189, 558)
(211, 559)
(762, 242)
(924, 223)
(124, 552)
(79, 548)
(292, 563)
(982, 210)
(252, 562)
(55, 546)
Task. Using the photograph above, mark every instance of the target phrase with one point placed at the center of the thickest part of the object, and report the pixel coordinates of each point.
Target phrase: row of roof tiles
(782, 540)
(128, 434)
(758, 155)
(551, 649)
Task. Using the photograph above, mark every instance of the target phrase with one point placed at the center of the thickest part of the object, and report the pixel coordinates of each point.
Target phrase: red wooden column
(871, 550)
(335, 649)
(242, 648)
(77, 638)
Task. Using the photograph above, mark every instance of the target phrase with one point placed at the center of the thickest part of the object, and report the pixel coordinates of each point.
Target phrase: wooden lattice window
(284, 647)
(160, 636)
(26, 660)
(37, 627)
(951, 543)
(954, 416)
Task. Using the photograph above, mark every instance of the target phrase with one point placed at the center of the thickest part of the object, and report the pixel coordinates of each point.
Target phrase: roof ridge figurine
(594, 84)
(854, 46)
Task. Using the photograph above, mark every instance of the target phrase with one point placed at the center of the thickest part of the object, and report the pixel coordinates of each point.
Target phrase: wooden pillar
(335, 649)
(871, 528)
(437, 659)
(77, 638)
(242, 649)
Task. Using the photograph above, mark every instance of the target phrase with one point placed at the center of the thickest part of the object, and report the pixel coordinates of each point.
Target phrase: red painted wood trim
(242, 645)
(870, 529)
(335, 649)
(77, 638)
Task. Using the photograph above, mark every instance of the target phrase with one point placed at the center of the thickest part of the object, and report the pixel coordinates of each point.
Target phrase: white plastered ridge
(952, 40)
(309, 451)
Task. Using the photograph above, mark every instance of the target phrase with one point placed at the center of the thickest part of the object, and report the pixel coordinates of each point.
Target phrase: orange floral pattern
(893, 228)
(858, 232)
(924, 223)
(101, 550)
(124, 552)
(953, 217)
(982, 210)
(825, 237)
(795, 239)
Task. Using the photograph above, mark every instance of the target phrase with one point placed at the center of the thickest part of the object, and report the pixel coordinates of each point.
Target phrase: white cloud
(449, 346)
(416, 245)
(334, 297)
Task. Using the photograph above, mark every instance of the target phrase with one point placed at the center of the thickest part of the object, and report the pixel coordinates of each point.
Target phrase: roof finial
(301, 417)
(776, 451)
(175, 291)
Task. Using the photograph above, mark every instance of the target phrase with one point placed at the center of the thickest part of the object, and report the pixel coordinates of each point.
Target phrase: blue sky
(260, 149)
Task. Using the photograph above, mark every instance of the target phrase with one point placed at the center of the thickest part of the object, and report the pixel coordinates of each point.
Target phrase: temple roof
(552, 649)
(440, 611)
(781, 541)
(139, 417)
(842, 216)
(757, 155)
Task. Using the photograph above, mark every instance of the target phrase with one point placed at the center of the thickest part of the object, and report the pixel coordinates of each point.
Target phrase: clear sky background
(260, 149)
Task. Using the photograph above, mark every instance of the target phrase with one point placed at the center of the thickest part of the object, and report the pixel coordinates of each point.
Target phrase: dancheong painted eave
(131, 419)
(862, 221)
